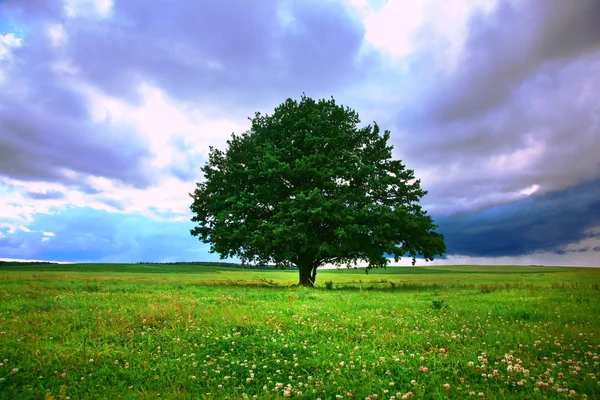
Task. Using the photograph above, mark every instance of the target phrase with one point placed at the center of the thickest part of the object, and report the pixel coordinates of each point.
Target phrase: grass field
(185, 332)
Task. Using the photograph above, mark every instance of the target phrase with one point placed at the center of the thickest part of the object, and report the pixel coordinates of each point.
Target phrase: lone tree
(306, 186)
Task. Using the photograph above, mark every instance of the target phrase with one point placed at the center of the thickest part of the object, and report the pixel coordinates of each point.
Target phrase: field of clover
(453, 332)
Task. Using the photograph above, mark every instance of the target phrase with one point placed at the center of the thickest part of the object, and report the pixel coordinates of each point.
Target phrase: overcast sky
(108, 109)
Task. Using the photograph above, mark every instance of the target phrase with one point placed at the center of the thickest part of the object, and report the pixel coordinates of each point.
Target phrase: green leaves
(307, 186)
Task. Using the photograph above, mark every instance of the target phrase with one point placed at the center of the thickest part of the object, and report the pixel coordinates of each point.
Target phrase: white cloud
(20, 209)
(48, 234)
(392, 27)
(178, 136)
(96, 8)
(530, 190)
(7, 43)
(160, 119)
(530, 153)
(400, 27)
(165, 125)
(24, 228)
(169, 196)
(57, 34)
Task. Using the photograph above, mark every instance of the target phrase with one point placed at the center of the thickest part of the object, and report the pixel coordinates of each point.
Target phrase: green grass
(177, 331)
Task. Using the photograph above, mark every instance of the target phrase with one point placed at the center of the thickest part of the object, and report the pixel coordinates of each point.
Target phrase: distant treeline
(179, 263)
(220, 264)
(7, 263)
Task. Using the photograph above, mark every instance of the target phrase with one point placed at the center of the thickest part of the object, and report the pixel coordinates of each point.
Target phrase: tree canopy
(306, 186)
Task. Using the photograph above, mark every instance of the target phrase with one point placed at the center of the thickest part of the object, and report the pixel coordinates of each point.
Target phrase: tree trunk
(306, 275)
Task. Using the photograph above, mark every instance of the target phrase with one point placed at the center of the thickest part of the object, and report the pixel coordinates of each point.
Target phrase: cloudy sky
(108, 109)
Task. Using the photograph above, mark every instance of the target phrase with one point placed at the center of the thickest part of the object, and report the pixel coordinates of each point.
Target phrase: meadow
(186, 332)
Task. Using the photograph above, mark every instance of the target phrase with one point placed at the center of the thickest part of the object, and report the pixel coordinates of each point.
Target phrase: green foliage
(329, 285)
(438, 304)
(307, 186)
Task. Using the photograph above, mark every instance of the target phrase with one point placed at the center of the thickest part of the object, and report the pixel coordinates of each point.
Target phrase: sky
(108, 109)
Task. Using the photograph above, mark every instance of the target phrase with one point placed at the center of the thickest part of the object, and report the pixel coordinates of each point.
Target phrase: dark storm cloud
(218, 54)
(520, 109)
(225, 52)
(46, 131)
(547, 223)
(36, 143)
(516, 41)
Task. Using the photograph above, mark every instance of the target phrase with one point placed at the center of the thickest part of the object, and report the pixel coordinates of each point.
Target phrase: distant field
(178, 331)
(438, 275)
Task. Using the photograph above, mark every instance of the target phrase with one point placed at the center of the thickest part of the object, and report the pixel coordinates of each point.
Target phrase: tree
(306, 186)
